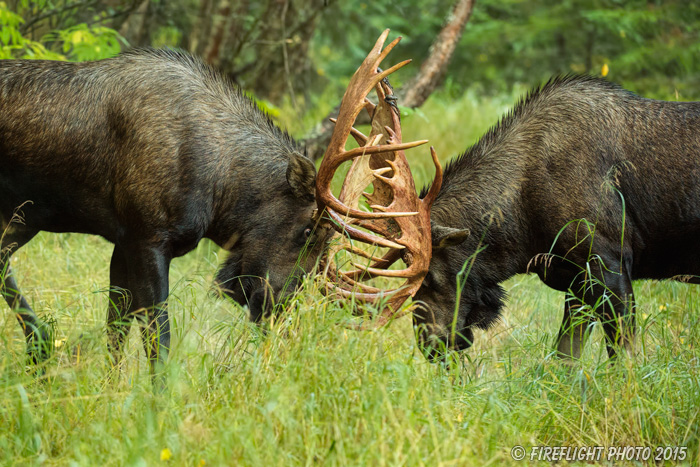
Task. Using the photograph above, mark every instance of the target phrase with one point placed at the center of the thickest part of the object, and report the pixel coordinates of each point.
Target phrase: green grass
(305, 390)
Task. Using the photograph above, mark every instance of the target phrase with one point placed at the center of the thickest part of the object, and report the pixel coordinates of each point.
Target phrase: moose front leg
(610, 294)
(618, 319)
(575, 329)
(148, 284)
(119, 312)
(37, 333)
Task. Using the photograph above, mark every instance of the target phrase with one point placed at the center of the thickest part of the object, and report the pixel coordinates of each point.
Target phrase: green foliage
(82, 42)
(651, 47)
(306, 390)
(339, 50)
(77, 42)
(14, 45)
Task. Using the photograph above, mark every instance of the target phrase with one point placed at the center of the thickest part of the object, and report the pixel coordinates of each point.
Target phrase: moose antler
(398, 220)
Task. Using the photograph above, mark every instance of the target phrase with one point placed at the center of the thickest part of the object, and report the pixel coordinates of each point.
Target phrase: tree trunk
(263, 46)
(134, 28)
(417, 91)
(219, 28)
(283, 45)
(197, 39)
(433, 69)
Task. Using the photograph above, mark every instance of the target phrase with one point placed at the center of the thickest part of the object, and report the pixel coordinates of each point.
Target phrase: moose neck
(482, 191)
(255, 177)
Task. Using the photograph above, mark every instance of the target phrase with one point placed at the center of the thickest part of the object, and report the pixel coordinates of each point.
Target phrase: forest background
(302, 52)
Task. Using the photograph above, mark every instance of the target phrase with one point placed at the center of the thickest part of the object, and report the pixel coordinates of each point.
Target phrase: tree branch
(417, 91)
(433, 69)
(55, 11)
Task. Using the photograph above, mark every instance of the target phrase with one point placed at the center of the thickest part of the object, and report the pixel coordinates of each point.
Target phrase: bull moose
(584, 183)
(152, 150)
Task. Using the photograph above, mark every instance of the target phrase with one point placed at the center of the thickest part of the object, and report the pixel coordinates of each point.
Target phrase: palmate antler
(398, 220)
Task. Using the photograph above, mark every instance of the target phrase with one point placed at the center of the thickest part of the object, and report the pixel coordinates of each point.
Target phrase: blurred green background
(306, 50)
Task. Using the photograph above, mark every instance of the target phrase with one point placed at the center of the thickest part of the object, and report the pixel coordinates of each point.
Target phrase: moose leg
(613, 299)
(119, 314)
(574, 330)
(618, 320)
(36, 332)
(148, 283)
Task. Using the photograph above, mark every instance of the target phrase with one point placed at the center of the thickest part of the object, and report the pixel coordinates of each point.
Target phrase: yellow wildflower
(165, 454)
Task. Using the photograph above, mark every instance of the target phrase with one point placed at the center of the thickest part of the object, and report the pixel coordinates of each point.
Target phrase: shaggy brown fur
(153, 150)
(585, 184)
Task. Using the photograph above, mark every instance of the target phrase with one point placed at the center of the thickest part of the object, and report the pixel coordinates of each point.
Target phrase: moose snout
(434, 337)
(268, 297)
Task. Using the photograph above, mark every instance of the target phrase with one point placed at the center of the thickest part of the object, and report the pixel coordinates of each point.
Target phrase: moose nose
(260, 305)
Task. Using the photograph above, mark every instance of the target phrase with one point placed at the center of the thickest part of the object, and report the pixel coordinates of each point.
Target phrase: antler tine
(389, 71)
(363, 236)
(403, 273)
(398, 219)
(361, 252)
(350, 283)
(365, 297)
(376, 55)
(357, 134)
(363, 287)
(388, 48)
(377, 47)
(364, 273)
(385, 262)
(365, 150)
(437, 181)
(371, 297)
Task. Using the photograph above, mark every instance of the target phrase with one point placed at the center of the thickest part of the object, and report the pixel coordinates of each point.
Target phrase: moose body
(152, 150)
(584, 183)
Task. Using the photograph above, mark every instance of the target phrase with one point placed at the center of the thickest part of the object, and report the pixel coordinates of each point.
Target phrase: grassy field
(305, 390)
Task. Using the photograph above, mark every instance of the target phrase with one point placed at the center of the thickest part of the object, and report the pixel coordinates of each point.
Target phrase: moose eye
(307, 233)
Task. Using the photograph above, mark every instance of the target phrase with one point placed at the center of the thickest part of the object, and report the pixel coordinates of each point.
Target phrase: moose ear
(301, 175)
(447, 236)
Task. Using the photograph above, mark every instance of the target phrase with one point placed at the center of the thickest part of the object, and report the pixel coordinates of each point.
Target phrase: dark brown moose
(152, 150)
(585, 184)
